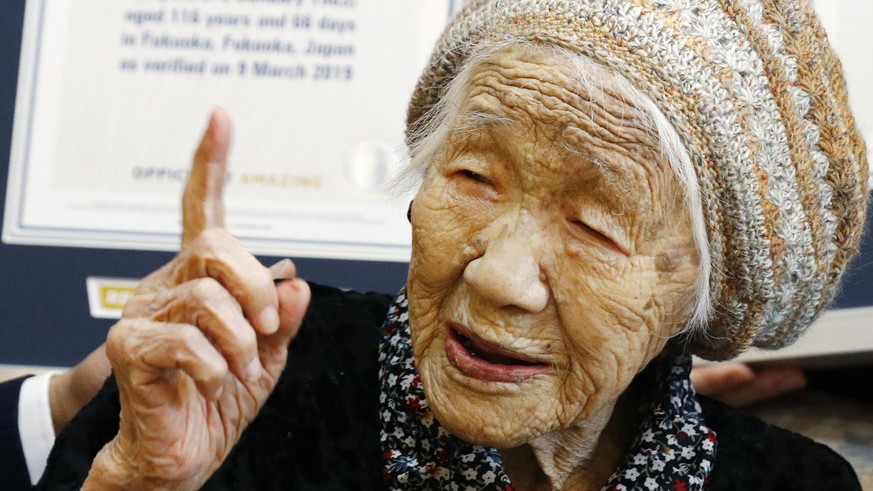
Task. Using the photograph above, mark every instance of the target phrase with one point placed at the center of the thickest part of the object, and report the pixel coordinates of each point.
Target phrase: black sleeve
(94, 426)
(318, 430)
(13, 467)
(753, 454)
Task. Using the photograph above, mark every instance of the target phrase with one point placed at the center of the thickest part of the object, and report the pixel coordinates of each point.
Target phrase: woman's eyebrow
(476, 120)
(481, 120)
(612, 174)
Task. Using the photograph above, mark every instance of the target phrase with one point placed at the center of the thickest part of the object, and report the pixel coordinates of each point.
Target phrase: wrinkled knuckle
(138, 305)
(119, 333)
(189, 337)
(113, 345)
(119, 338)
(246, 339)
(206, 290)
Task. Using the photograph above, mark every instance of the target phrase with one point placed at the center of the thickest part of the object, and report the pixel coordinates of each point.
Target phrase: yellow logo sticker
(114, 297)
(107, 296)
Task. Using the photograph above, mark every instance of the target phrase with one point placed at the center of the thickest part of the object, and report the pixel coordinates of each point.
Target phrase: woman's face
(552, 254)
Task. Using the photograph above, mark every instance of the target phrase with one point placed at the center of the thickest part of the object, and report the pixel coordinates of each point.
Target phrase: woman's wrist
(113, 470)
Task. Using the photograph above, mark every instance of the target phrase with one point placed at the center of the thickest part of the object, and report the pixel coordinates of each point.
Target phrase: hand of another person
(738, 384)
(200, 345)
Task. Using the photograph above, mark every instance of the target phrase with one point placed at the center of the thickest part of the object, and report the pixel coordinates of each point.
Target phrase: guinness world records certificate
(113, 96)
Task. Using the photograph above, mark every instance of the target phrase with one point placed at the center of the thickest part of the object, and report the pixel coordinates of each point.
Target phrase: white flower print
(488, 477)
(406, 381)
(689, 430)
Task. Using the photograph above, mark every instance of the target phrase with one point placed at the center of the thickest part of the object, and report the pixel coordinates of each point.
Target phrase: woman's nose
(508, 273)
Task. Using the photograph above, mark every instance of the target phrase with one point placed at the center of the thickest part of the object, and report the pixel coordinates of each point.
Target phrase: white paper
(113, 96)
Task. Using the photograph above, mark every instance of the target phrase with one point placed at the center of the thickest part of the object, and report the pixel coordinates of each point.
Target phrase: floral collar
(673, 448)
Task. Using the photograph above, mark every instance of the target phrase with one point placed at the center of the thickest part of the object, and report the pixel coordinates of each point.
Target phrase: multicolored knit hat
(758, 97)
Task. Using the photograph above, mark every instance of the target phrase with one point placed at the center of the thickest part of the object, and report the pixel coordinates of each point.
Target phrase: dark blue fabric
(13, 467)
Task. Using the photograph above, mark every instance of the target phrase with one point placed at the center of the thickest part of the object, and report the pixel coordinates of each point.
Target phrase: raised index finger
(202, 205)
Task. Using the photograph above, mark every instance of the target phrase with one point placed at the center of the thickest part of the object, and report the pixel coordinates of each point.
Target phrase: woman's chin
(500, 419)
(484, 433)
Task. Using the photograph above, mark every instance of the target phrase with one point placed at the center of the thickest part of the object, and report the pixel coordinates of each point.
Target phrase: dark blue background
(44, 317)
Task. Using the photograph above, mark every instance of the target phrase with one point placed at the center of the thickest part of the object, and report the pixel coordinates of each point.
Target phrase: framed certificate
(113, 95)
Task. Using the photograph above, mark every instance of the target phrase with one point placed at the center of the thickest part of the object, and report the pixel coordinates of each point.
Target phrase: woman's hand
(200, 345)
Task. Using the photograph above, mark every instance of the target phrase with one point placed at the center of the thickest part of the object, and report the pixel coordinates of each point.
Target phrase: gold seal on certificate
(371, 163)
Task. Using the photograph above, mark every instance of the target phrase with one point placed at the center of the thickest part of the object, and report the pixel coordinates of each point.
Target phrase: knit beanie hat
(758, 97)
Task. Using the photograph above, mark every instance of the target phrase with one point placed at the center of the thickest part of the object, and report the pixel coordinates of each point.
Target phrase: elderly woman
(606, 188)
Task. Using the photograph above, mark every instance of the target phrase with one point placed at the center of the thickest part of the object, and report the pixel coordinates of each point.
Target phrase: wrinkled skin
(199, 347)
(549, 226)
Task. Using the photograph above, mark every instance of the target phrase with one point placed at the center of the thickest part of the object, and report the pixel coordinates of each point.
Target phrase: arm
(200, 346)
(71, 390)
(33, 410)
(738, 384)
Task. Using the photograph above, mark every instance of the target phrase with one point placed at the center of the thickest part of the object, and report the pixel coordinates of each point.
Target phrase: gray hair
(430, 134)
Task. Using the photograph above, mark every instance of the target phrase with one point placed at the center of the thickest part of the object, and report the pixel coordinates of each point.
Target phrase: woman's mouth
(478, 359)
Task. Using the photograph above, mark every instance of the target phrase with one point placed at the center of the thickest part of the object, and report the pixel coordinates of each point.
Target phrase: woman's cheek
(442, 246)
(424, 324)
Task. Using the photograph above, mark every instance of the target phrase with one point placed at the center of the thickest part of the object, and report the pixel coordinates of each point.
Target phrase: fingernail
(268, 320)
(253, 371)
(283, 269)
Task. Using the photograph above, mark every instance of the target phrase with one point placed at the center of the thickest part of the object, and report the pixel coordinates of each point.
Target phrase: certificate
(113, 96)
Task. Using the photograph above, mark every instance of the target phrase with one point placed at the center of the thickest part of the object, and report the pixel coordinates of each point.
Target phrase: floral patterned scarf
(673, 448)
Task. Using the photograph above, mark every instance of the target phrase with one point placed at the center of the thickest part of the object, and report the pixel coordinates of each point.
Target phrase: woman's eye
(474, 176)
(598, 237)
